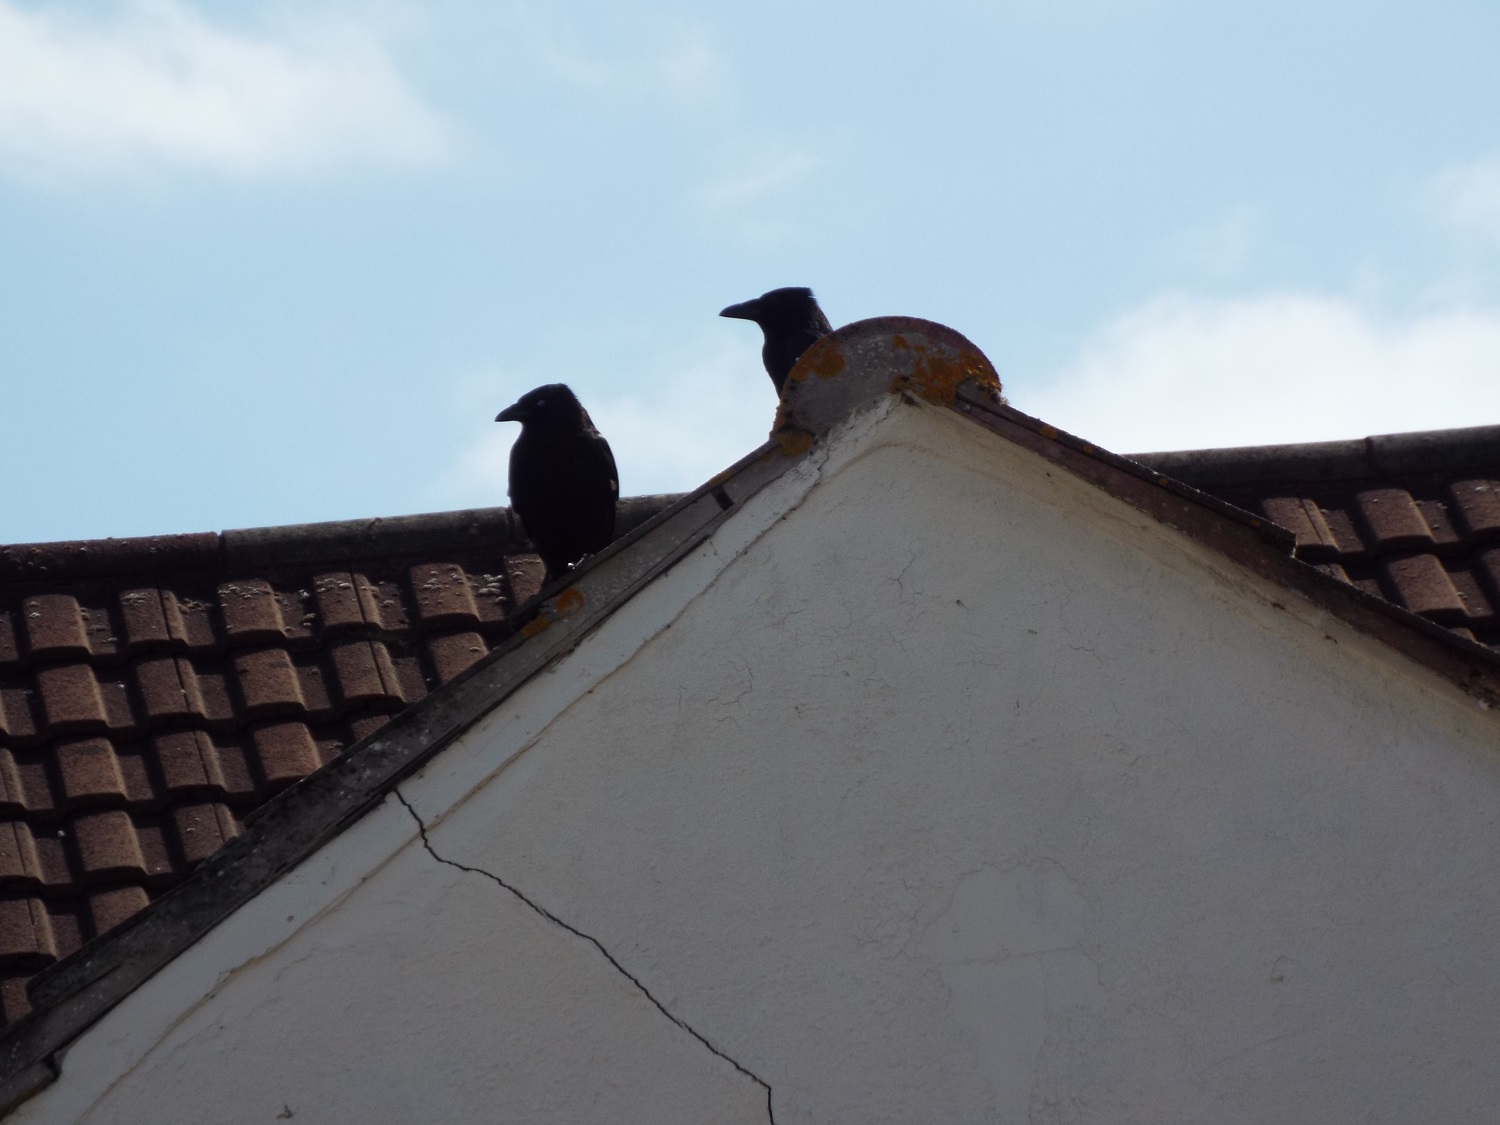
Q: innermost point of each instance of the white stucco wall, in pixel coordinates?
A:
(964, 792)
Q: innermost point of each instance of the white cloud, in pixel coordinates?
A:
(1467, 198)
(754, 179)
(671, 435)
(1187, 372)
(684, 64)
(154, 86)
(694, 70)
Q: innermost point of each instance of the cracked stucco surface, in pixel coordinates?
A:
(431, 994)
(964, 793)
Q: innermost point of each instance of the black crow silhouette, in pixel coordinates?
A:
(791, 320)
(563, 483)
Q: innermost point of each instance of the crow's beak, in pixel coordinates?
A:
(511, 413)
(745, 310)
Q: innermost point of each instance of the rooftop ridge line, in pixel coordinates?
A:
(330, 541)
(1471, 448)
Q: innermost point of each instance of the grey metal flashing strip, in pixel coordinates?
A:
(1475, 450)
(257, 548)
(71, 995)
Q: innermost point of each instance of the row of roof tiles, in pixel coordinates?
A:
(251, 611)
(1381, 521)
(153, 692)
(251, 684)
(1411, 518)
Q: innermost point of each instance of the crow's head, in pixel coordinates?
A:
(791, 320)
(552, 406)
(781, 310)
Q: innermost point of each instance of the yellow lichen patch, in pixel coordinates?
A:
(937, 377)
(794, 443)
(721, 476)
(823, 359)
(780, 420)
(1050, 432)
(569, 601)
(898, 341)
(538, 624)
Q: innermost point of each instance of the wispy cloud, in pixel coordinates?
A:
(1185, 372)
(154, 86)
(684, 64)
(692, 68)
(751, 180)
(1467, 199)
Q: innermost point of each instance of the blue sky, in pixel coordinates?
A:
(270, 263)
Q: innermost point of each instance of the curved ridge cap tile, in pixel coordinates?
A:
(855, 365)
(80, 558)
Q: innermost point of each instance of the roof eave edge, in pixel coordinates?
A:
(1252, 541)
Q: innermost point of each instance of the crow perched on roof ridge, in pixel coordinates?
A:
(563, 482)
(791, 320)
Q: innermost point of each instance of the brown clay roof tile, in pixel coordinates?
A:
(155, 691)
(1408, 517)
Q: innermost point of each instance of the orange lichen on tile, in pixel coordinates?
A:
(936, 376)
(794, 442)
(823, 359)
(568, 602)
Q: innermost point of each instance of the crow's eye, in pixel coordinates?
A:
(541, 402)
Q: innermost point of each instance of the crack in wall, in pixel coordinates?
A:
(597, 944)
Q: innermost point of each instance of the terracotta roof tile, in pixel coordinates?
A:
(90, 772)
(203, 829)
(453, 652)
(155, 691)
(339, 602)
(26, 936)
(108, 845)
(284, 752)
(16, 720)
(164, 684)
(10, 652)
(1340, 525)
(71, 699)
(1408, 517)
(1391, 520)
(1315, 539)
(12, 797)
(188, 764)
(268, 683)
(108, 908)
(145, 619)
(1422, 585)
(19, 864)
(443, 595)
(365, 673)
(252, 612)
(1477, 506)
(55, 627)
